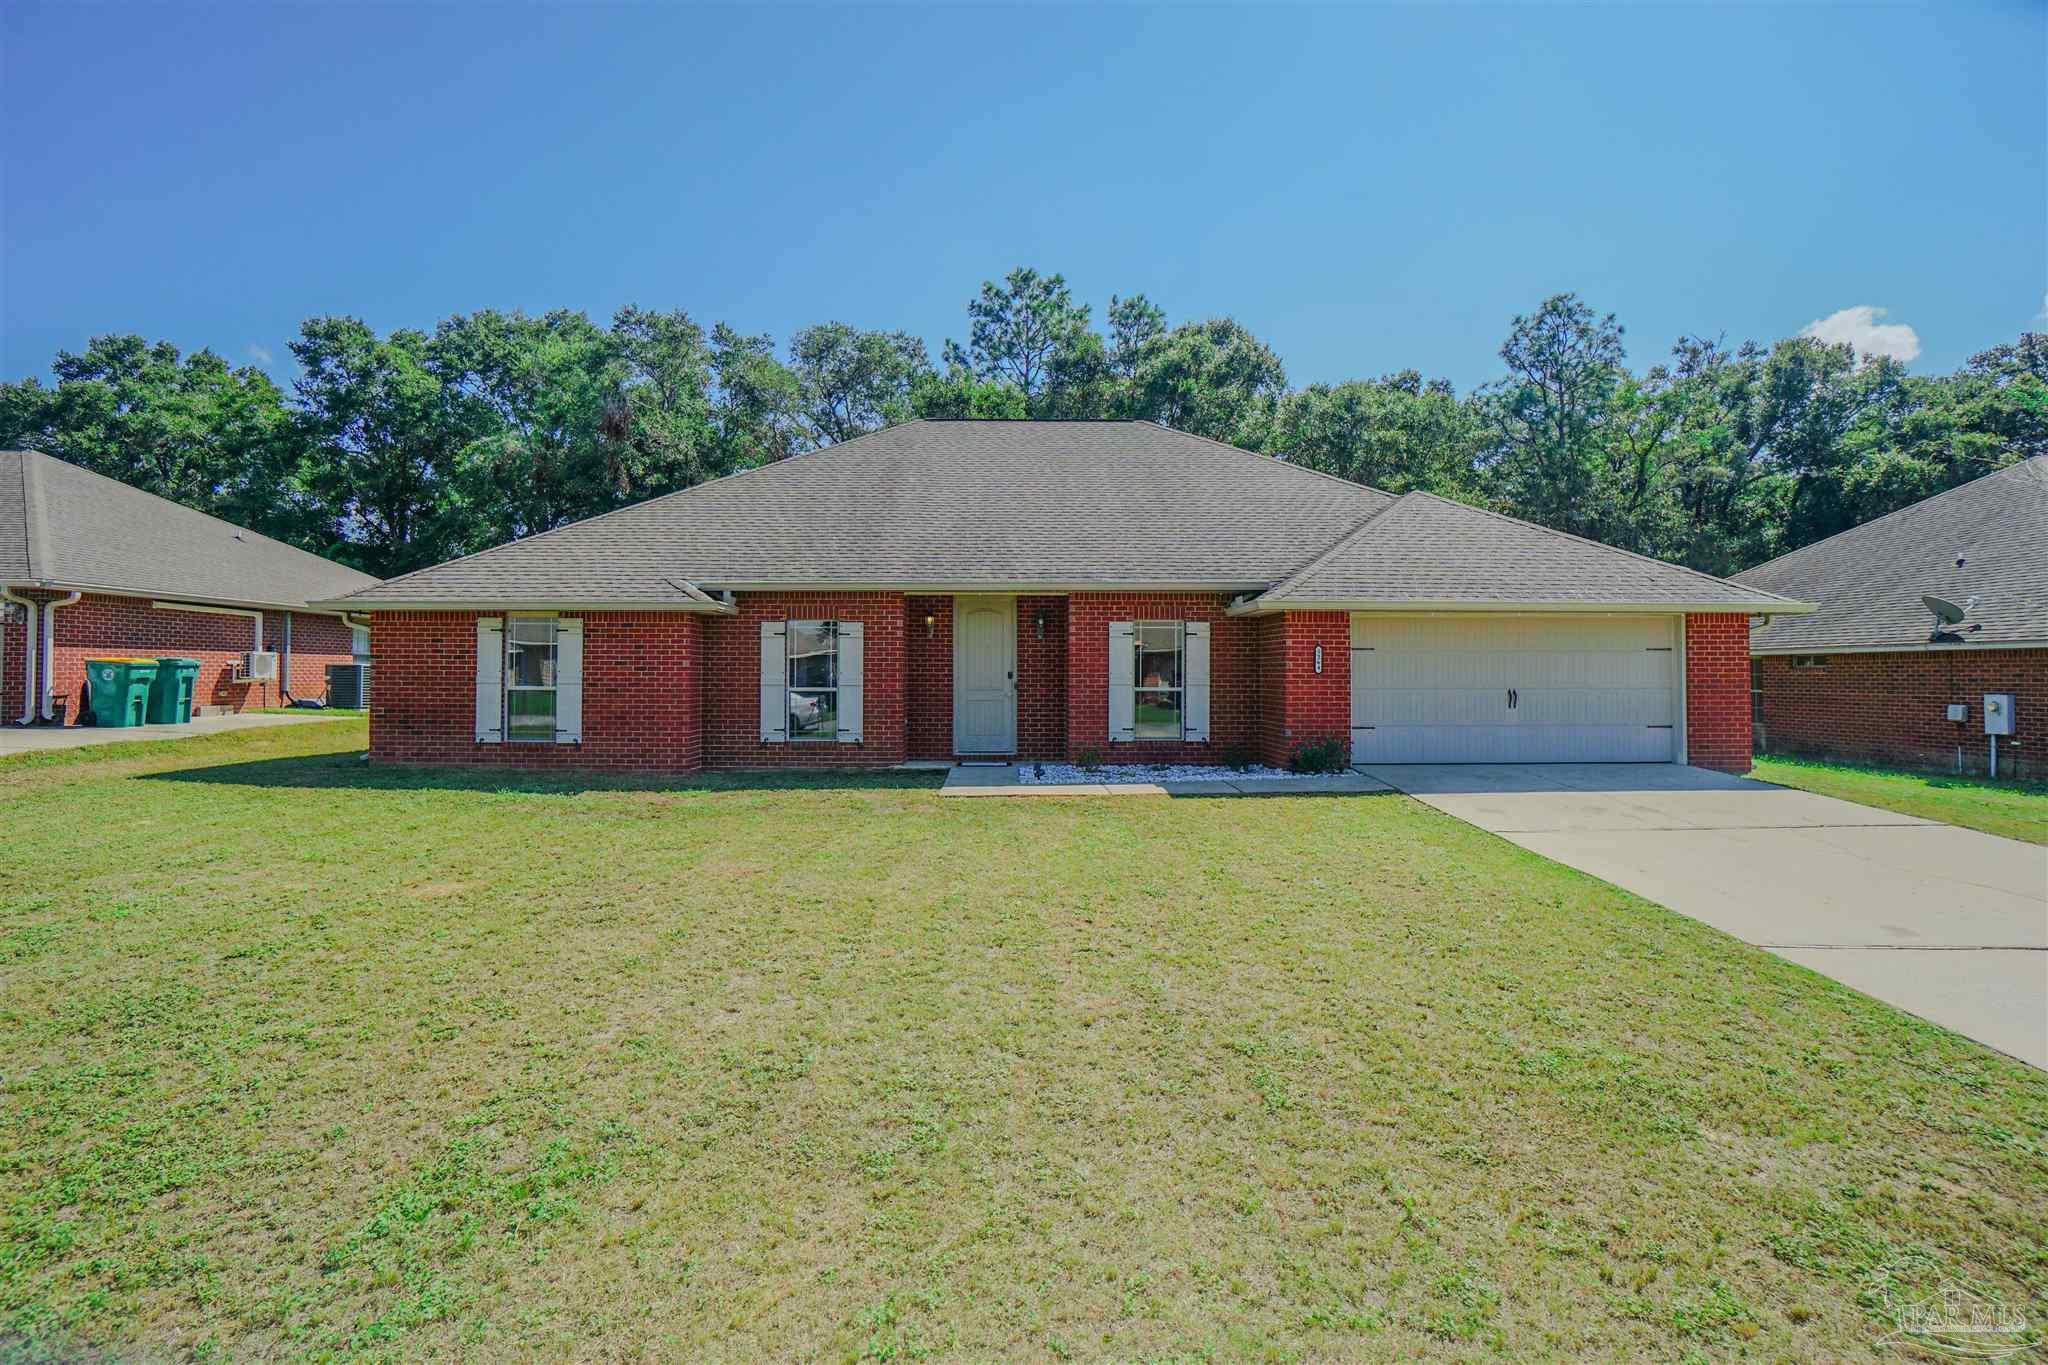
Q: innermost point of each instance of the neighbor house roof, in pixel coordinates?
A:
(1053, 506)
(66, 527)
(1427, 550)
(1869, 580)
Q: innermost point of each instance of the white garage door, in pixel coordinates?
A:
(1514, 689)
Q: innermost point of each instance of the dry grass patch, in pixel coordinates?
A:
(314, 1060)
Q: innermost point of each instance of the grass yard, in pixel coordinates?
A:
(2017, 810)
(308, 1059)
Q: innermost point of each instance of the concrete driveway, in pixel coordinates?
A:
(1946, 923)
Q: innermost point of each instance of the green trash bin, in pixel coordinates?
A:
(170, 696)
(120, 690)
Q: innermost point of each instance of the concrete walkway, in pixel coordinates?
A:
(1946, 923)
(35, 739)
(1008, 781)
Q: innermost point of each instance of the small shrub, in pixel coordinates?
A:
(1325, 755)
(1090, 758)
(1239, 757)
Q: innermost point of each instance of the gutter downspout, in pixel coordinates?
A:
(28, 654)
(49, 641)
(284, 664)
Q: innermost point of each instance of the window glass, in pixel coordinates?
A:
(359, 641)
(530, 713)
(1156, 705)
(813, 653)
(1158, 654)
(530, 678)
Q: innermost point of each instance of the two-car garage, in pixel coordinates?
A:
(1545, 687)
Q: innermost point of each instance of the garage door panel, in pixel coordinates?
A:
(1585, 689)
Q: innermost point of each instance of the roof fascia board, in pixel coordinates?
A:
(120, 590)
(1921, 647)
(341, 606)
(1264, 606)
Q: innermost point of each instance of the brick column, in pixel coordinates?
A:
(1717, 691)
(1296, 703)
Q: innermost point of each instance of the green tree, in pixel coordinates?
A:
(853, 382)
(1396, 433)
(383, 446)
(1134, 324)
(1564, 366)
(1028, 332)
(958, 394)
(190, 428)
(1211, 378)
(758, 401)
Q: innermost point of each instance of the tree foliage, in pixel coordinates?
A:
(396, 451)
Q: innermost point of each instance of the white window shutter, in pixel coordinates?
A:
(852, 660)
(568, 681)
(1123, 677)
(490, 680)
(774, 682)
(1195, 681)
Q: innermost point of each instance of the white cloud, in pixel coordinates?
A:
(1859, 326)
(260, 353)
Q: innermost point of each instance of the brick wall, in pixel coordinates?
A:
(1041, 679)
(642, 699)
(99, 624)
(1892, 708)
(1717, 691)
(928, 667)
(1233, 682)
(732, 681)
(1296, 703)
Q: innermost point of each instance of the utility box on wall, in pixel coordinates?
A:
(1998, 713)
(1959, 710)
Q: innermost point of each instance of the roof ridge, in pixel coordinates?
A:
(2016, 466)
(637, 506)
(35, 542)
(1343, 542)
(1601, 544)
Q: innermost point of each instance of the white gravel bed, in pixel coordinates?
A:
(1034, 774)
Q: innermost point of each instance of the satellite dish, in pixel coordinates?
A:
(1945, 611)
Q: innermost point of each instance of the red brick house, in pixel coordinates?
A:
(90, 566)
(1044, 590)
(1869, 677)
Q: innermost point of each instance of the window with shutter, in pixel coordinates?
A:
(774, 682)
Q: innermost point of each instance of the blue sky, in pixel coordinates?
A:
(1366, 189)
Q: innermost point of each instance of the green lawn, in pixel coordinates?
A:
(309, 1059)
(2017, 810)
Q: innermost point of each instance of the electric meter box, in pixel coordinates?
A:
(1998, 713)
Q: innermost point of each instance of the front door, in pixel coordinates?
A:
(984, 675)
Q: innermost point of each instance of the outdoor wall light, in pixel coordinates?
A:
(929, 623)
(1038, 624)
(1319, 658)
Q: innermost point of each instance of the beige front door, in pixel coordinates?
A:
(984, 675)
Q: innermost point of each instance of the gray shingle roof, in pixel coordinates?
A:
(64, 526)
(1429, 549)
(938, 504)
(1869, 580)
(1012, 505)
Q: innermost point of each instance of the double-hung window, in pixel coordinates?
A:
(1160, 678)
(530, 691)
(813, 670)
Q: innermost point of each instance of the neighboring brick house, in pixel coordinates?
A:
(1868, 677)
(1049, 590)
(90, 566)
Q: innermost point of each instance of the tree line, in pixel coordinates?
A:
(397, 451)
